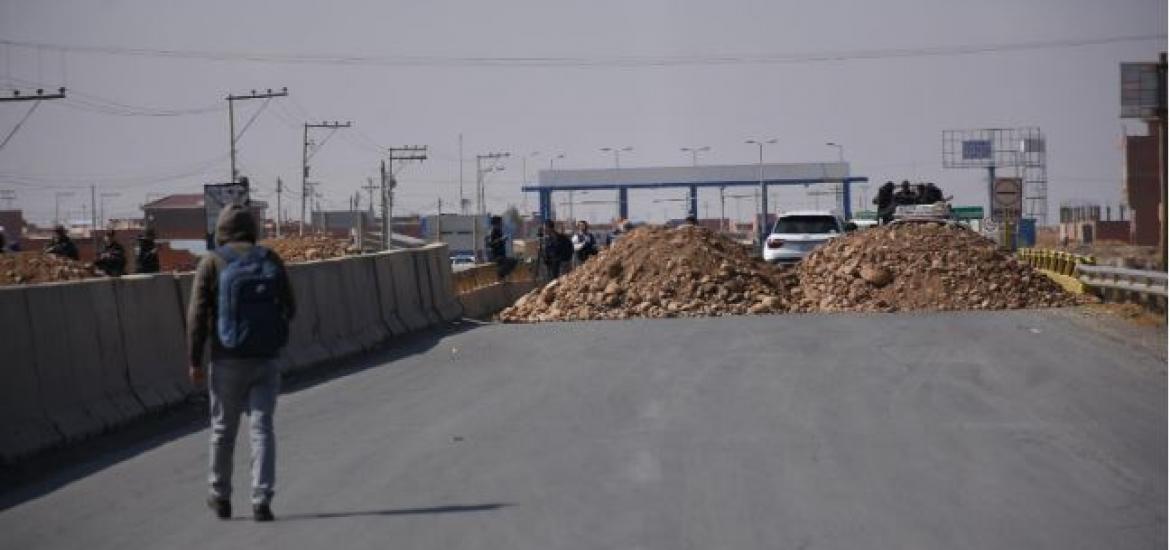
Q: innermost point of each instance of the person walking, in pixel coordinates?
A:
(146, 260)
(241, 303)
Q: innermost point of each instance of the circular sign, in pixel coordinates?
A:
(1007, 192)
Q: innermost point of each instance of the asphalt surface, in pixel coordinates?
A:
(950, 430)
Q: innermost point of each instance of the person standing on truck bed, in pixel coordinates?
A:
(241, 302)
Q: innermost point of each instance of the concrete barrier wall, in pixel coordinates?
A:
(406, 290)
(304, 347)
(442, 285)
(82, 357)
(486, 301)
(25, 427)
(154, 338)
(387, 295)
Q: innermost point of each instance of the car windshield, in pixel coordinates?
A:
(806, 224)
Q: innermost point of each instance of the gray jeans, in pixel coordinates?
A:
(236, 386)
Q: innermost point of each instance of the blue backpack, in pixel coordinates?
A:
(251, 321)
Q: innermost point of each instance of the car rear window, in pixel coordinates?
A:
(806, 224)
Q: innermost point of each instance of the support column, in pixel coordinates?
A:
(847, 199)
(623, 203)
(693, 202)
(545, 204)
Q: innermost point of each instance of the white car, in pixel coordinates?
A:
(798, 233)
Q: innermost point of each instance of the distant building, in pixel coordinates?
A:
(13, 223)
(1083, 224)
(182, 216)
(1143, 186)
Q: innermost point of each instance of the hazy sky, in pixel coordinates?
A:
(888, 112)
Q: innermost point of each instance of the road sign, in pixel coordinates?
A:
(968, 212)
(215, 197)
(1007, 198)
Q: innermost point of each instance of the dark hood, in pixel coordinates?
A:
(236, 223)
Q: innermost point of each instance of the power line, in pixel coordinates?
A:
(19, 124)
(585, 61)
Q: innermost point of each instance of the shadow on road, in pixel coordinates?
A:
(43, 473)
(451, 509)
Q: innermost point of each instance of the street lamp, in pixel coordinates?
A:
(694, 151)
(840, 150)
(551, 159)
(617, 163)
(761, 230)
(524, 166)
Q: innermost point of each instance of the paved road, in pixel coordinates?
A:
(1004, 430)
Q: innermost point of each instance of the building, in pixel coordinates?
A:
(1082, 224)
(1143, 187)
(183, 217)
(13, 223)
(461, 232)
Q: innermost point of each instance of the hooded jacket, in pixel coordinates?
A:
(236, 228)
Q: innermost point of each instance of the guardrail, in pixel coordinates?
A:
(1059, 266)
(485, 275)
(1138, 281)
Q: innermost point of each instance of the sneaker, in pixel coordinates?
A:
(262, 512)
(221, 506)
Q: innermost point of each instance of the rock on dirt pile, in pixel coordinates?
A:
(37, 267)
(309, 248)
(656, 272)
(919, 267)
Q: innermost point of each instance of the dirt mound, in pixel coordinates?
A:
(656, 272)
(309, 248)
(919, 267)
(37, 267)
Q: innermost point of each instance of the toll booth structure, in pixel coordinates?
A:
(622, 180)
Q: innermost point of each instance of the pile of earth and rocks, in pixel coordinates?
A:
(17, 268)
(656, 272)
(691, 272)
(922, 266)
(310, 247)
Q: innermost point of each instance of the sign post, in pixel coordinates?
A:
(218, 195)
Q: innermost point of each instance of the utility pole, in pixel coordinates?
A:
(439, 222)
(101, 218)
(462, 209)
(480, 198)
(279, 190)
(232, 137)
(57, 205)
(305, 162)
(404, 153)
(39, 95)
(370, 188)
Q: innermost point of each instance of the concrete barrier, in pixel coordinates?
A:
(333, 319)
(425, 280)
(406, 289)
(486, 301)
(387, 295)
(79, 357)
(25, 428)
(442, 284)
(363, 305)
(152, 315)
(304, 347)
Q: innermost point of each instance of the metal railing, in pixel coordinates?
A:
(1138, 281)
(485, 275)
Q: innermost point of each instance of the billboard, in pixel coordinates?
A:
(1141, 90)
(977, 149)
(215, 197)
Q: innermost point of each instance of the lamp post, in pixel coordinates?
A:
(623, 205)
(841, 159)
(694, 151)
(761, 230)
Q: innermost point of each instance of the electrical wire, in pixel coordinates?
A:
(584, 61)
(16, 128)
(253, 119)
